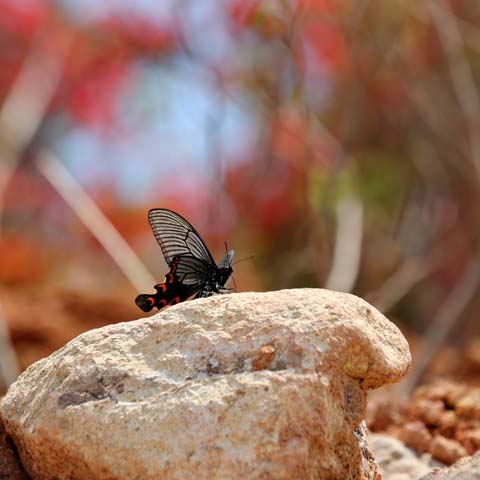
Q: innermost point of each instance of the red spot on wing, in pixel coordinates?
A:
(169, 278)
(162, 303)
(173, 266)
(174, 301)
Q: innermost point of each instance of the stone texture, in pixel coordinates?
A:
(10, 466)
(396, 461)
(417, 436)
(252, 385)
(447, 450)
(466, 469)
(440, 418)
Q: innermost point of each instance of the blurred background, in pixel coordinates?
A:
(338, 142)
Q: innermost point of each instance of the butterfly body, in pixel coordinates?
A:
(192, 268)
(216, 278)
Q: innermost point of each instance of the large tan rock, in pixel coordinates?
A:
(10, 466)
(242, 386)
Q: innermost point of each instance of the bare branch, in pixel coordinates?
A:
(94, 219)
(470, 32)
(348, 245)
(9, 368)
(469, 101)
(24, 108)
(444, 321)
(410, 272)
(460, 73)
(20, 117)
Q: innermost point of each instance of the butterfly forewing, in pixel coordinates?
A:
(176, 236)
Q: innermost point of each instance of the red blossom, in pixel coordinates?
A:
(94, 99)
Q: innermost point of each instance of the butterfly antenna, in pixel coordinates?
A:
(244, 259)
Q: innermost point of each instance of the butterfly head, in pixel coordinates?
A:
(227, 260)
(225, 268)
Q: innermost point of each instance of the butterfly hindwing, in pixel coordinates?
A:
(170, 292)
(174, 292)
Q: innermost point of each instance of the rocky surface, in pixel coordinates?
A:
(252, 385)
(441, 418)
(10, 465)
(466, 469)
(396, 461)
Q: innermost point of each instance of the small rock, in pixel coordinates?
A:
(396, 461)
(252, 385)
(454, 394)
(465, 469)
(416, 435)
(469, 438)
(264, 358)
(469, 404)
(447, 450)
(440, 390)
(428, 411)
(446, 410)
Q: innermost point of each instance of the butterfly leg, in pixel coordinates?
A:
(206, 292)
(226, 289)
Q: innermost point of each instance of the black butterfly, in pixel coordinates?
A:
(192, 268)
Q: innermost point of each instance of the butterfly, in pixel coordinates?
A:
(193, 270)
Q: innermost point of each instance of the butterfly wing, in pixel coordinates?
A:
(192, 268)
(173, 290)
(192, 271)
(167, 293)
(177, 237)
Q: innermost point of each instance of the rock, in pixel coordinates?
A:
(396, 461)
(440, 418)
(469, 438)
(368, 460)
(416, 435)
(447, 450)
(469, 404)
(251, 385)
(466, 469)
(428, 411)
(10, 466)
